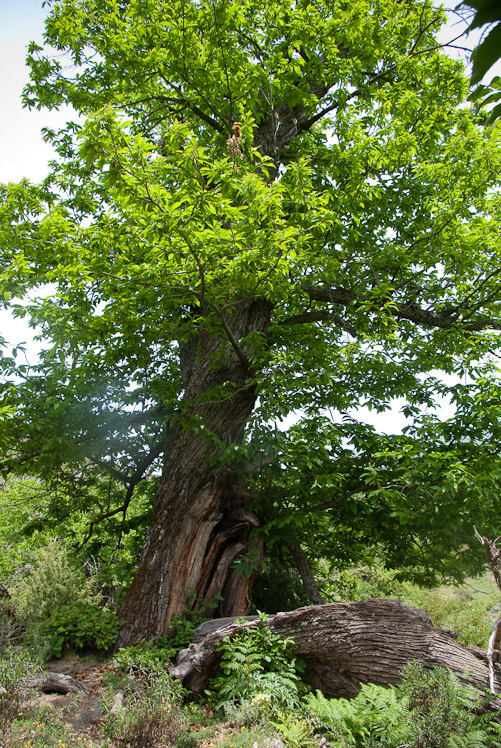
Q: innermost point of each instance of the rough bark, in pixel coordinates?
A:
(304, 568)
(347, 644)
(57, 683)
(199, 524)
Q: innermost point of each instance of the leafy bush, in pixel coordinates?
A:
(144, 657)
(52, 581)
(375, 580)
(429, 710)
(77, 627)
(60, 605)
(255, 662)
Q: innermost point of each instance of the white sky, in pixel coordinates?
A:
(23, 152)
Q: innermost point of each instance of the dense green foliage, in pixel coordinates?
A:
(60, 607)
(429, 710)
(257, 666)
(362, 214)
(486, 54)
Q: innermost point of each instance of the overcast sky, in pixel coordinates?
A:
(23, 152)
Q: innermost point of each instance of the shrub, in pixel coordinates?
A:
(440, 707)
(60, 605)
(77, 627)
(431, 709)
(145, 657)
(255, 662)
(53, 581)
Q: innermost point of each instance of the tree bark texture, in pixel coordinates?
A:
(347, 644)
(199, 524)
(303, 566)
(57, 683)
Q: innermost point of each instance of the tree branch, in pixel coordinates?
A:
(448, 318)
(304, 568)
(319, 316)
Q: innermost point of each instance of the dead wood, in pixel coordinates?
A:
(347, 644)
(57, 683)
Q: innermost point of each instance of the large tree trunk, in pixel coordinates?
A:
(347, 644)
(199, 524)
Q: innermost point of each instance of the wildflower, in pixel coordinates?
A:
(260, 699)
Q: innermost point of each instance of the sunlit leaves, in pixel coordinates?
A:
(154, 228)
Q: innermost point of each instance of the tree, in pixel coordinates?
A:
(265, 212)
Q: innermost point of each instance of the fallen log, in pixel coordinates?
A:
(347, 644)
(57, 683)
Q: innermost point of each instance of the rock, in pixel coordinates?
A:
(118, 702)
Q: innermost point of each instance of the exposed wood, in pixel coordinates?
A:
(493, 653)
(57, 683)
(493, 554)
(347, 644)
(494, 564)
(199, 524)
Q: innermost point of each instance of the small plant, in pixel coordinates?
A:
(181, 630)
(16, 668)
(296, 732)
(145, 657)
(255, 663)
(152, 716)
(376, 716)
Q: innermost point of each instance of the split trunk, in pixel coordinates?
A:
(200, 524)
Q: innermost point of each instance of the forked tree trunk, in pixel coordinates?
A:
(347, 644)
(199, 524)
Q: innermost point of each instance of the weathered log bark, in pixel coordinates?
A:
(347, 644)
(199, 524)
(57, 683)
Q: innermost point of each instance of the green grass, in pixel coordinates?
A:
(470, 608)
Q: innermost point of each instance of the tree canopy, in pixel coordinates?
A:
(267, 213)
